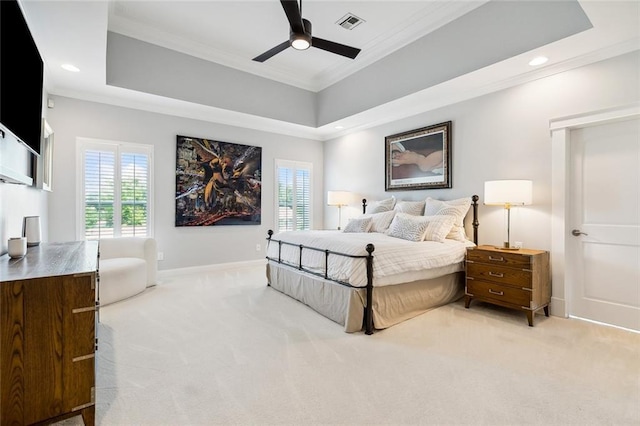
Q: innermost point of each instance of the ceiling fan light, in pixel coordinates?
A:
(301, 42)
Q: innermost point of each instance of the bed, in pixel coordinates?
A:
(370, 280)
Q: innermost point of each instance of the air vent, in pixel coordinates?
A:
(349, 21)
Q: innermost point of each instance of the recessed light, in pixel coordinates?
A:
(538, 61)
(70, 67)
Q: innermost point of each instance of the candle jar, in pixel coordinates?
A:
(17, 247)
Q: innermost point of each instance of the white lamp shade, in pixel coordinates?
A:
(338, 198)
(512, 192)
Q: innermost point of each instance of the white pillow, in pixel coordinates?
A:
(457, 208)
(415, 208)
(362, 224)
(439, 227)
(380, 221)
(381, 206)
(409, 227)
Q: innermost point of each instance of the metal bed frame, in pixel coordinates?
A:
(368, 310)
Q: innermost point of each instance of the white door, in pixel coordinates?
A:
(604, 245)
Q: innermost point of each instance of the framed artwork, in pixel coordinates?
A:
(217, 183)
(419, 159)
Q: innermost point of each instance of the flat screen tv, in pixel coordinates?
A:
(21, 78)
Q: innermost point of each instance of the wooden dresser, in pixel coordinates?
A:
(518, 279)
(48, 333)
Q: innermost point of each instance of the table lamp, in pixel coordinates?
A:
(508, 193)
(338, 198)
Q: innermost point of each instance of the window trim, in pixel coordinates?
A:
(295, 165)
(84, 144)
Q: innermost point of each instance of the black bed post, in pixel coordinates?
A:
(364, 205)
(368, 310)
(475, 222)
(269, 235)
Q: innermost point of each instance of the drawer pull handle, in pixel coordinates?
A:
(81, 310)
(497, 259)
(83, 357)
(496, 274)
(498, 293)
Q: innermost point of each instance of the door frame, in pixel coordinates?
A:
(560, 129)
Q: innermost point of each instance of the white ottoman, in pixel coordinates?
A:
(126, 267)
(121, 278)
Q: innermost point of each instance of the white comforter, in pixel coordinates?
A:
(395, 260)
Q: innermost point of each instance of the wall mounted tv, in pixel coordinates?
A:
(21, 78)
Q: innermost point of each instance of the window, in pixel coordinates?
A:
(114, 189)
(293, 203)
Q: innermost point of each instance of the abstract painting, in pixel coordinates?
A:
(217, 183)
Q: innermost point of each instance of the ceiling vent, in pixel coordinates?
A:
(349, 21)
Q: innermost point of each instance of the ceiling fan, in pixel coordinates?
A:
(300, 37)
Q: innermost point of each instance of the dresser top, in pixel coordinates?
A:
(51, 259)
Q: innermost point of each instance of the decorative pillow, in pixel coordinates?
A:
(457, 208)
(358, 225)
(380, 221)
(408, 227)
(439, 227)
(411, 207)
(381, 206)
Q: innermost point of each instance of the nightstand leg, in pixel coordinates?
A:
(546, 311)
(530, 317)
(467, 301)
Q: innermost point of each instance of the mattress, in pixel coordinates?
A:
(395, 261)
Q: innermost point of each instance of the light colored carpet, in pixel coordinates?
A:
(223, 348)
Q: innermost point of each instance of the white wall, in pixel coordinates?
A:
(182, 246)
(16, 202)
(503, 135)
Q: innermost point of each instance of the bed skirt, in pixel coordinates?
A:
(345, 305)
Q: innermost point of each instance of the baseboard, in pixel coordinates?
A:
(558, 307)
(167, 273)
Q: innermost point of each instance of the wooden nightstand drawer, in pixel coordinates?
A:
(517, 277)
(505, 294)
(511, 260)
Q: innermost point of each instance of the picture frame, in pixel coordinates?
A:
(217, 183)
(419, 159)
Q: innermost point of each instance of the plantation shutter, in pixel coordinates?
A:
(99, 179)
(303, 199)
(133, 194)
(115, 190)
(285, 199)
(293, 180)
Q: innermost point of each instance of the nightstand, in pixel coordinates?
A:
(518, 279)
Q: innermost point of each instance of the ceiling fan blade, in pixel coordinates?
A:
(269, 53)
(294, 16)
(333, 47)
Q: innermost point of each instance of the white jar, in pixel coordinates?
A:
(17, 247)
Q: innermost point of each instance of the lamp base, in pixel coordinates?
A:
(507, 246)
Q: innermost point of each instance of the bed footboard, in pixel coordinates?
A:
(368, 258)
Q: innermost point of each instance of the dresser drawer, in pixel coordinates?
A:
(517, 277)
(511, 260)
(502, 293)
